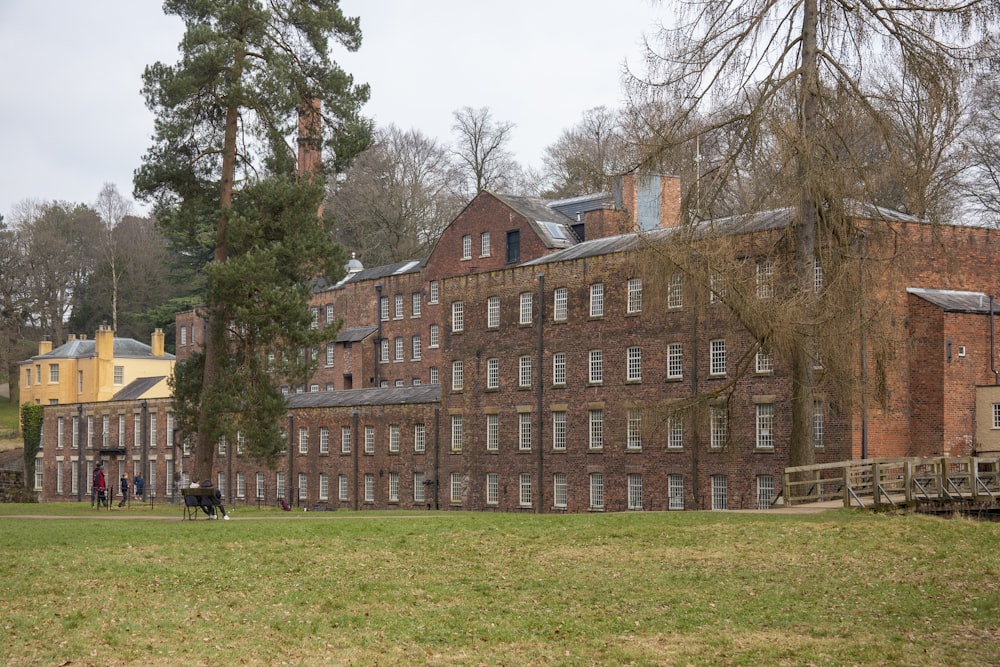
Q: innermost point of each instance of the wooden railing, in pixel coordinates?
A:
(903, 481)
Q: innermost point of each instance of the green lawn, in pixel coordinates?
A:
(452, 588)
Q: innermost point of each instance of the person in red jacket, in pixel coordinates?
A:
(100, 485)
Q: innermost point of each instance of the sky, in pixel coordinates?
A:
(72, 116)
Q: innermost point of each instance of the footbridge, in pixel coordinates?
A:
(939, 484)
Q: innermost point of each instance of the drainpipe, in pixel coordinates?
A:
(540, 389)
(291, 456)
(436, 482)
(993, 361)
(378, 337)
(355, 445)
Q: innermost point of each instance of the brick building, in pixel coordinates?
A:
(531, 361)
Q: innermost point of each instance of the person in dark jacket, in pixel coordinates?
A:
(123, 486)
(210, 503)
(138, 486)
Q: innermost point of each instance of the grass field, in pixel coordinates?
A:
(9, 436)
(138, 586)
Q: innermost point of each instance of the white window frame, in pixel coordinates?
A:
(524, 431)
(369, 439)
(492, 432)
(343, 488)
(526, 311)
(633, 429)
(559, 490)
(457, 435)
(345, 439)
(595, 367)
(369, 487)
(467, 246)
(763, 362)
(675, 292)
(675, 361)
(718, 426)
(764, 276)
(418, 487)
(765, 491)
(559, 430)
(597, 300)
(524, 490)
(765, 426)
(397, 312)
(634, 300)
(416, 348)
(675, 491)
(493, 312)
(324, 439)
(393, 490)
(415, 305)
(717, 357)
(398, 349)
(634, 483)
(559, 369)
(394, 438)
(455, 486)
(633, 364)
(457, 317)
(492, 488)
(484, 244)
(435, 333)
(433, 291)
(383, 308)
(493, 373)
(595, 420)
(596, 480)
(524, 371)
(720, 492)
(675, 432)
(819, 423)
(419, 438)
(560, 301)
(457, 375)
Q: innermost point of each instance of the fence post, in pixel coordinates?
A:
(847, 485)
(876, 483)
(908, 480)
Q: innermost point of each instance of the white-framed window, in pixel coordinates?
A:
(384, 350)
(259, 485)
(765, 491)
(634, 301)
(484, 244)
(456, 433)
(331, 351)
(720, 496)
(279, 485)
(524, 431)
(524, 371)
(819, 425)
(559, 369)
(59, 478)
(369, 439)
(90, 431)
(597, 300)
(418, 487)
(435, 340)
(633, 429)
(457, 316)
(314, 323)
(342, 488)
(456, 487)
(434, 375)
(559, 494)
(634, 481)
(369, 487)
(416, 348)
(675, 491)
(119, 375)
(493, 312)
(467, 246)
(560, 300)
(393, 487)
(419, 437)
(324, 440)
(675, 361)
(492, 432)
(596, 367)
(717, 357)
(184, 337)
(457, 375)
(398, 307)
(765, 426)
(53, 373)
(526, 310)
(383, 308)
(817, 276)
(633, 365)
(524, 490)
(345, 439)
(675, 292)
(106, 430)
(303, 440)
(492, 488)
(394, 437)
(492, 373)
(559, 430)
(717, 287)
(329, 314)
(763, 362)
(675, 432)
(398, 348)
(415, 305)
(596, 490)
(324, 486)
(718, 426)
(433, 291)
(596, 421)
(303, 486)
(60, 432)
(765, 279)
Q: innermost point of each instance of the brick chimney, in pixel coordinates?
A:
(652, 200)
(44, 346)
(156, 343)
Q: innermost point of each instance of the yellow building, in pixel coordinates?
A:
(90, 371)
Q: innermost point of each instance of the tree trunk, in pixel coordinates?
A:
(802, 451)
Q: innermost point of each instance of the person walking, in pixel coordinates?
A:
(123, 483)
(138, 486)
(100, 485)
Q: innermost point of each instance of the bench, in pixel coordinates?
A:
(194, 499)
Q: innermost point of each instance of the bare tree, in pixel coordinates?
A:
(586, 157)
(112, 209)
(397, 197)
(982, 182)
(774, 75)
(482, 149)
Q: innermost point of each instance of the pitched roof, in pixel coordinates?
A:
(136, 388)
(84, 349)
(553, 227)
(426, 393)
(354, 334)
(956, 301)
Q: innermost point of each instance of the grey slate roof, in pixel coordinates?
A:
(136, 388)
(354, 334)
(955, 301)
(553, 227)
(83, 349)
(426, 393)
(577, 206)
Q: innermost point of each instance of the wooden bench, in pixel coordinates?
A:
(194, 499)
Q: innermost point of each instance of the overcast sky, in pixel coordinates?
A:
(72, 117)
